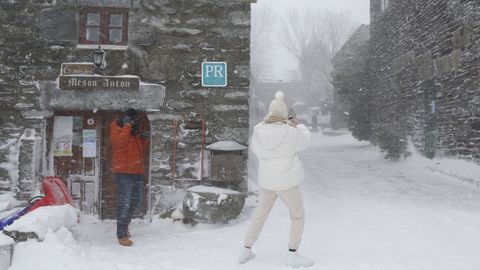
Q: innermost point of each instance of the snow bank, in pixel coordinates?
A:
(46, 218)
(59, 250)
(463, 170)
(5, 240)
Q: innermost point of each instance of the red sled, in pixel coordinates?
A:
(56, 193)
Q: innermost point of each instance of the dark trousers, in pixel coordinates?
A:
(130, 190)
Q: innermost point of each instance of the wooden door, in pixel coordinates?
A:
(74, 151)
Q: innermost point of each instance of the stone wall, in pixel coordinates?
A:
(424, 74)
(23, 62)
(168, 41)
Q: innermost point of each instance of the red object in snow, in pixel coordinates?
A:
(56, 193)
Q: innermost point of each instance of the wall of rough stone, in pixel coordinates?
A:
(23, 62)
(430, 42)
(168, 41)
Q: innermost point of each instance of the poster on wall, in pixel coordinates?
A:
(89, 143)
(62, 136)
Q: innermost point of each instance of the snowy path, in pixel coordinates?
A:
(363, 212)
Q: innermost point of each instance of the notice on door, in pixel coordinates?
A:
(89, 143)
(62, 136)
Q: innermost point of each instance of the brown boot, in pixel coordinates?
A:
(124, 241)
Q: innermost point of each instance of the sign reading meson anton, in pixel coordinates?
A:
(99, 83)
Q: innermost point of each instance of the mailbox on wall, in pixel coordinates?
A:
(226, 159)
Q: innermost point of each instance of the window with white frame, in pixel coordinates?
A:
(104, 26)
(385, 4)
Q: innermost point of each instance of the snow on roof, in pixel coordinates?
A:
(217, 190)
(148, 83)
(226, 146)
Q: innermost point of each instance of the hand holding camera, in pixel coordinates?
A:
(292, 121)
(124, 120)
(127, 120)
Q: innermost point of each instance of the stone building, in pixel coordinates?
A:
(55, 112)
(424, 76)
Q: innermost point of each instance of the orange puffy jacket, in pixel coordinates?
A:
(127, 150)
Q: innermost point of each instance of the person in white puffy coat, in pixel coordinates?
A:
(276, 142)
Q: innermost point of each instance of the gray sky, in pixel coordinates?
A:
(359, 9)
(280, 60)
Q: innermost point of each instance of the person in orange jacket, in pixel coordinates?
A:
(128, 149)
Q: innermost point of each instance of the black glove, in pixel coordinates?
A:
(135, 128)
(145, 135)
(124, 120)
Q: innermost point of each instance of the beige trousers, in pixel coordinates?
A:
(294, 201)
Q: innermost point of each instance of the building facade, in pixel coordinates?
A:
(56, 107)
(424, 76)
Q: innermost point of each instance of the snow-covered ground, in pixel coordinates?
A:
(363, 212)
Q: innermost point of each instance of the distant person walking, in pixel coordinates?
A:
(128, 147)
(314, 123)
(276, 142)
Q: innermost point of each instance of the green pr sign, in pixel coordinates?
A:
(214, 74)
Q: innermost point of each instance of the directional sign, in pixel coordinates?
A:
(214, 74)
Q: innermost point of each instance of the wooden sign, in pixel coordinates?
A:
(78, 69)
(99, 83)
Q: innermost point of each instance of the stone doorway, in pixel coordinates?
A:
(80, 153)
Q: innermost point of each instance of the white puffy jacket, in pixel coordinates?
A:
(277, 146)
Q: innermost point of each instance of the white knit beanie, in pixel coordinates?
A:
(278, 107)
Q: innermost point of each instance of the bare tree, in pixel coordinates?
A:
(298, 32)
(313, 37)
(333, 30)
(263, 25)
